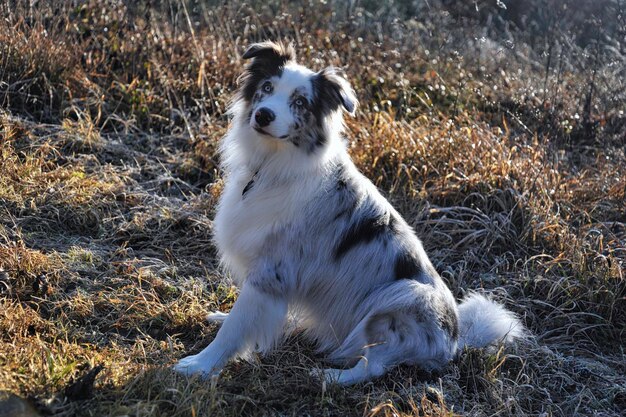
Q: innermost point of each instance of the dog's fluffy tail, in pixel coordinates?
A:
(483, 322)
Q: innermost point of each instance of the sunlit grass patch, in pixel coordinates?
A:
(82, 134)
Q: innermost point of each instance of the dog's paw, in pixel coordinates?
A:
(216, 317)
(193, 365)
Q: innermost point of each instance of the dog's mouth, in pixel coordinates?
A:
(263, 132)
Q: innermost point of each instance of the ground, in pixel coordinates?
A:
(499, 133)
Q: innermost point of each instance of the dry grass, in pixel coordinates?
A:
(502, 146)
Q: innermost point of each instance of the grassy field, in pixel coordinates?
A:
(499, 133)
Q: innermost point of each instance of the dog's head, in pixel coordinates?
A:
(287, 102)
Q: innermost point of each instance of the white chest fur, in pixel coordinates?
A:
(245, 221)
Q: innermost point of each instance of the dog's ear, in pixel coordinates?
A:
(333, 89)
(275, 52)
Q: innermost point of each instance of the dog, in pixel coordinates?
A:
(305, 235)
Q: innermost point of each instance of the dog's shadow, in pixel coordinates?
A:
(280, 383)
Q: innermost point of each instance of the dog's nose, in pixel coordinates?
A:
(264, 116)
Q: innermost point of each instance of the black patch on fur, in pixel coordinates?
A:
(347, 200)
(249, 185)
(256, 74)
(407, 266)
(362, 232)
(327, 97)
(269, 60)
(393, 223)
(278, 277)
(340, 174)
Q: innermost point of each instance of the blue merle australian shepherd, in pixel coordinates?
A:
(305, 235)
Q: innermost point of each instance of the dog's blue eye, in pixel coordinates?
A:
(267, 87)
(299, 102)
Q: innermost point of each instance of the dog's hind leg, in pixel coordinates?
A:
(413, 328)
(387, 343)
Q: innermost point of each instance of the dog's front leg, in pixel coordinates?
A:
(255, 322)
